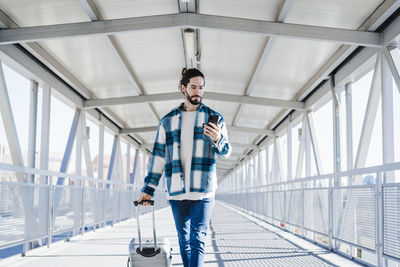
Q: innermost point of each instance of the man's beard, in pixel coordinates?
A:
(192, 101)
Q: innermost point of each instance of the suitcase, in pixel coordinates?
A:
(149, 251)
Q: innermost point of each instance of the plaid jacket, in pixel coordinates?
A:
(166, 154)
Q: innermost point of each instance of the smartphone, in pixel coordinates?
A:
(213, 119)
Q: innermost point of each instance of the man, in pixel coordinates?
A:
(185, 149)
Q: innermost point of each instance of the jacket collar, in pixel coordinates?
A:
(180, 107)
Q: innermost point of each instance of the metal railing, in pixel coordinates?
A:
(31, 212)
(333, 209)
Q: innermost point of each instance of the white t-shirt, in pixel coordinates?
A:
(187, 133)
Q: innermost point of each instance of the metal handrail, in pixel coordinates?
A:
(25, 170)
(374, 169)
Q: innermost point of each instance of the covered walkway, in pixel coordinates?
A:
(309, 91)
(234, 239)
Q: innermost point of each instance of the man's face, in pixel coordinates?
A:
(194, 90)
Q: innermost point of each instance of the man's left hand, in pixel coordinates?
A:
(213, 131)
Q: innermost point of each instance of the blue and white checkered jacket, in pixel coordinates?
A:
(166, 154)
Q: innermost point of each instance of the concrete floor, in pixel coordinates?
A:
(234, 239)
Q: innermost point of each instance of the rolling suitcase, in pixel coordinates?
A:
(150, 251)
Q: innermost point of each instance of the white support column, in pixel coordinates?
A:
(349, 137)
(234, 181)
(240, 178)
(289, 151)
(307, 145)
(128, 163)
(32, 128)
(237, 177)
(349, 126)
(244, 176)
(387, 119)
(100, 164)
(336, 160)
(120, 165)
(31, 159)
(254, 170)
(369, 118)
(250, 169)
(280, 161)
(44, 158)
(45, 132)
(267, 167)
(134, 169)
(245, 181)
(121, 177)
(78, 171)
(86, 148)
(336, 127)
(261, 168)
(302, 146)
(313, 137)
(276, 164)
(78, 147)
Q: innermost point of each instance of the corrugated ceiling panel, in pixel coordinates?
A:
(251, 9)
(337, 14)
(43, 12)
(112, 9)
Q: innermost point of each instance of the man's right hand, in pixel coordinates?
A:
(144, 196)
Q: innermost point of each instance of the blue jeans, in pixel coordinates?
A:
(191, 220)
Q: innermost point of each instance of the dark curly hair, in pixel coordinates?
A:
(187, 74)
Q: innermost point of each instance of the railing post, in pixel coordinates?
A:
(83, 208)
(378, 220)
(330, 212)
(119, 201)
(50, 214)
(285, 205)
(104, 204)
(303, 209)
(272, 205)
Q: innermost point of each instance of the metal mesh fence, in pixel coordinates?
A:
(391, 221)
(21, 212)
(28, 212)
(354, 215)
(316, 210)
(294, 207)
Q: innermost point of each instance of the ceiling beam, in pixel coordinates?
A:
(230, 128)
(255, 100)
(201, 21)
(95, 103)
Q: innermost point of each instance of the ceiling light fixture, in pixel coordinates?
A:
(189, 36)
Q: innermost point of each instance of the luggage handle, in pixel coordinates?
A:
(151, 202)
